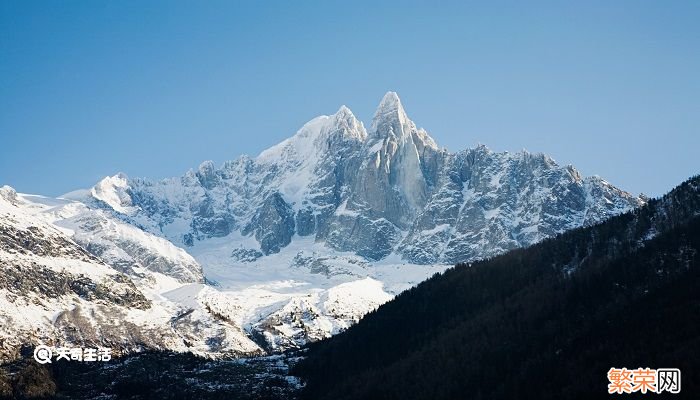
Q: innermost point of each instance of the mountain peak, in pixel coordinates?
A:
(348, 124)
(390, 104)
(8, 193)
(113, 191)
(390, 114)
(344, 111)
(390, 100)
(391, 119)
(344, 115)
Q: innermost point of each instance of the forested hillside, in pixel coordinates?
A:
(547, 321)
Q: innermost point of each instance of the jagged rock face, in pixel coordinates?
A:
(22, 249)
(400, 166)
(372, 238)
(374, 193)
(273, 224)
(487, 203)
(20, 279)
(207, 175)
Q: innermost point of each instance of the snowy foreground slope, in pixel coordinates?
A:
(53, 289)
(267, 253)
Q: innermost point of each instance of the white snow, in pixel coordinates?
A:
(112, 190)
(307, 290)
(250, 296)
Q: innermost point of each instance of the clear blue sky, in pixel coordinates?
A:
(91, 88)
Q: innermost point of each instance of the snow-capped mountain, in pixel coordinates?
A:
(293, 245)
(387, 191)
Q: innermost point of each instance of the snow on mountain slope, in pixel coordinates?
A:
(301, 241)
(303, 293)
(299, 158)
(486, 203)
(113, 299)
(320, 314)
(54, 291)
(389, 190)
(120, 244)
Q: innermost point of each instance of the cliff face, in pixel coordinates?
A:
(389, 190)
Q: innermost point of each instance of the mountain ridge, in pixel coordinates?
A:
(297, 244)
(368, 191)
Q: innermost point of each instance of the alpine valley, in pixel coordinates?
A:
(265, 254)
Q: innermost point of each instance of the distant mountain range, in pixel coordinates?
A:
(389, 190)
(268, 253)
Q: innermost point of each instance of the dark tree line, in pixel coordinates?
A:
(150, 375)
(544, 322)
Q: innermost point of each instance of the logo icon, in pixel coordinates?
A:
(43, 354)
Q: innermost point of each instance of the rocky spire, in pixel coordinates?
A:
(390, 117)
(345, 121)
